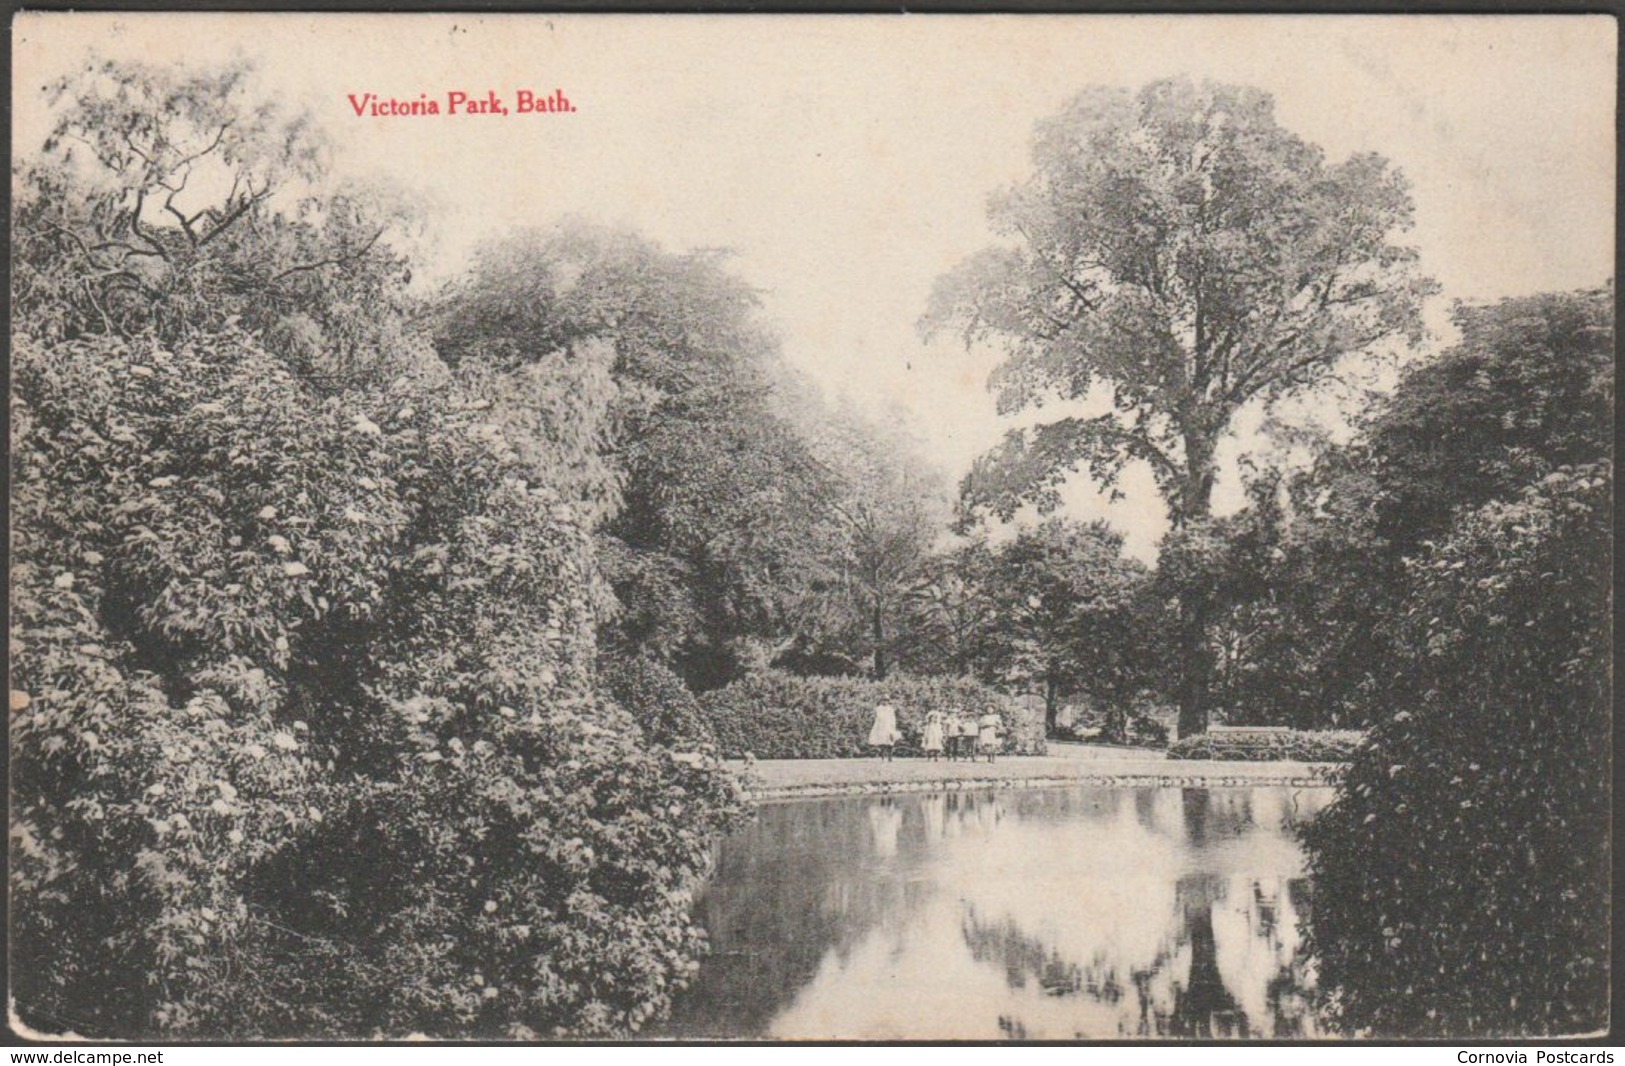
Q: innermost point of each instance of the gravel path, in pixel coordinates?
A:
(787, 778)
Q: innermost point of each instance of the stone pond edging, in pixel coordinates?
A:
(1298, 775)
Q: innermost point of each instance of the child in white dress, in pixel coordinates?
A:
(931, 741)
(883, 734)
(990, 725)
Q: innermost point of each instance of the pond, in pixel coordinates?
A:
(1070, 913)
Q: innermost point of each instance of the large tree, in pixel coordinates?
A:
(953, 621)
(715, 488)
(884, 507)
(1175, 256)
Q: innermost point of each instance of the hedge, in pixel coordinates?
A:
(1330, 745)
(775, 715)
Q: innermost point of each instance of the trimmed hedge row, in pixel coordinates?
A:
(1330, 745)
(775, 715)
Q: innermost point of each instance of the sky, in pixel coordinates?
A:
(847, 160)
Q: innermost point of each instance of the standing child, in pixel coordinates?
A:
(883, 734)
(931, 742)
(990, 724)
(966, 741)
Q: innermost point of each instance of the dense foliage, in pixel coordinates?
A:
(1527, 390)
(1305, 578)
(170, 201)
(884, 511)
(657, 700)
(1059, 611)
(1297, 745)
(1461, 875)
(306, 736)
(356, 638)
(776, 715)
(744, 534)
(307, 688)
(1075, 617)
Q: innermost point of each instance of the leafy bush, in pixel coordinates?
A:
(304, 732)
(1136, 722)
(1328, 745)
(775, 715)
(1461, 876)
(657, 699)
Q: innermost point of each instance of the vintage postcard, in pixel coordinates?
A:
(852, 527)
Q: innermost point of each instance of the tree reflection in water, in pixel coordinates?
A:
(1055, 914)
(1201, 1007)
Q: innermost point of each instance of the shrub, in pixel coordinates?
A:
(657, 699)
(1147, 731)
(1143, 723)
(1330, 745)
(304, 733)
(775, 715)
(1461, 875)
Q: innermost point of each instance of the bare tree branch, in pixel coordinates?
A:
(248, 202)
(339, 260)
(186, 225)
(135, 226)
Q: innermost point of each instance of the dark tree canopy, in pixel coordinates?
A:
(1464, 541)
(753, 524)
(713, 486)
(1307, 574)
(1298, 595)
(1074, 616)
(952, 620)
(1461, 876)
(883, 511)
(1529, 388)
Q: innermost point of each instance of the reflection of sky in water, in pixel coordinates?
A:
(1047, 915)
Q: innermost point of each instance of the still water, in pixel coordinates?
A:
(1059, 914)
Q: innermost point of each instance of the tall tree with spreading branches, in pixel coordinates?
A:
(1175, 256)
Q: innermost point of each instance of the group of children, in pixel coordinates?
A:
(957, 737)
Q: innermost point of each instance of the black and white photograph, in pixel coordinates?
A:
(671, 529)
